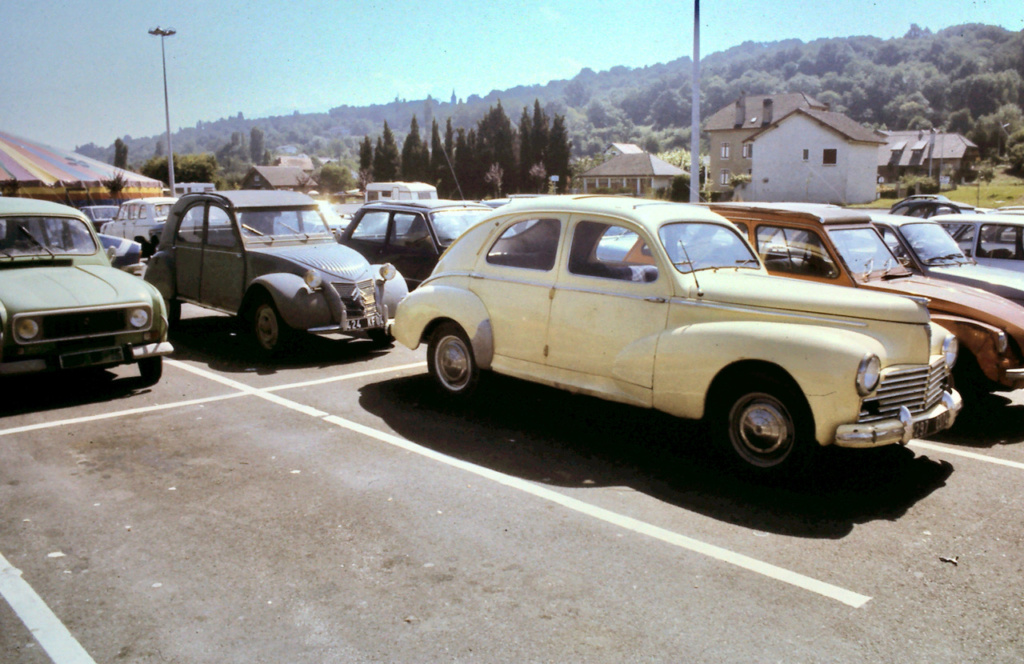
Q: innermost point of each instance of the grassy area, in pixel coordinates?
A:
(1005, 189)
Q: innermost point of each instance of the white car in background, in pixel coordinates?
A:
(141, 220)
(995, 239)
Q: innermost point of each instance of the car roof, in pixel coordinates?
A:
(155, 200)
(904, 220)
(253, 198)
(823, 214)
(429, 204)
(990, 218)
(13, 205)
(644, 211)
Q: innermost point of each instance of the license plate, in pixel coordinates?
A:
(362, 323)
(925, 428)
(92, 357)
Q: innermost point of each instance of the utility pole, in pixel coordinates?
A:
(695, 112)
(162, 34)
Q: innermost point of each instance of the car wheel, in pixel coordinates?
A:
(173, 311)
(451, 363)
(272, 334)
(767, 428)
(151, 369)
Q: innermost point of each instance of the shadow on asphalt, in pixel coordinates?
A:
(552, 437)
(219, 342)
(990, 422)
(225, 344)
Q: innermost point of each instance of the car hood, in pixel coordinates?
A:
(1005, 283)
(329, 257)
(959, 300)
(46, 288)
(770, 292)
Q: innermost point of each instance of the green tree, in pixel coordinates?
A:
(495, 143)
(559, 150)
(415, 165)
(1015, 151)
(120, 154)
(116, 183)
(334, 177)
(386, 160)
(257, 145)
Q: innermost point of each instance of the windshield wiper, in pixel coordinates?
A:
(947, 257)
(747, 261)
(252, 230)
(36, 242)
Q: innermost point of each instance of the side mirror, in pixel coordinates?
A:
(111, 253)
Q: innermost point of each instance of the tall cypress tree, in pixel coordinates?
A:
(559, 150)
(415, 160)
(386, 160)
(437, 162)
(495, 144)
(525, 151)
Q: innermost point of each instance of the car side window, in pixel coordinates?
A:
(133, 212)
(372, 226)
(410, 230)
(794, 251)
(219, 231)
(190, 230)
(530, 244)
(893, 242)
(610, 252)
(1000, 241)
(143, 212)
(963, 234)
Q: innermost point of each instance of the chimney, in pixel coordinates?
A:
(766, 111)
(741, 111)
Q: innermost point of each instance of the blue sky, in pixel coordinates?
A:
(88, 71)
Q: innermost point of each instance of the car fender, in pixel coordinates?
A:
(821, 362)
(431, 304)
(300, 306)
(979, 339)
(394, 291)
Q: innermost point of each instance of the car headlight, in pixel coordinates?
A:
(950, 347)
(26, 329)
(138, 318)
(868, 374)
(1002, 343)
(313, 279)
(387, 271)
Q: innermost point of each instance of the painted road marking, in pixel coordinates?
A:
(45, 627)
(828, 590)
(966, 454)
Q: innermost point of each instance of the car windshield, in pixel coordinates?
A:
(45, 236)
(268, 224)
(933, 245)
(693, 246)
(450, 224)
(161, 211)
(864, 252)
(100, 212)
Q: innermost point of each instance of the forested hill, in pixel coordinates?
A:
(969, 78)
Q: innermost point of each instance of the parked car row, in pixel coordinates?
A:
(655, 304)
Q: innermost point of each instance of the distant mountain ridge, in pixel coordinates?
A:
(964, 77)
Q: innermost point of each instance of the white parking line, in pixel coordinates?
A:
(45, 627)
(966, 454)
(828, 590)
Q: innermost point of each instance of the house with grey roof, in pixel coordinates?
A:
(925, 152)
(632, 172)
(278, 177)
(794, 149)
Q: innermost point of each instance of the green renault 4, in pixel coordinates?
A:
(62, 305)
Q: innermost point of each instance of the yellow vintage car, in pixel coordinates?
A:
(666, 306)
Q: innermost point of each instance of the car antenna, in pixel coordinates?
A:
(693, 271)
(454, 177)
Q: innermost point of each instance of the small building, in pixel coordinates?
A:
(925, 152)
(302, 162)
(278, 177)
(615, 149)
(794, 149)
(633, 173)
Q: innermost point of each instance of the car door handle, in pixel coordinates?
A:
(659, 300)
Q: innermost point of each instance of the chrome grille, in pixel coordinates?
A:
(917, 387)
(85, 323)
(360, 299)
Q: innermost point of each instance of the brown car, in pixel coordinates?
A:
(833, 245)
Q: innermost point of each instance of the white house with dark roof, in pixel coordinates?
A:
(632, 172)
(794, 149)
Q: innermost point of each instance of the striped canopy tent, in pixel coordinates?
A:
(34, 170)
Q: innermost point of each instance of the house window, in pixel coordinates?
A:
(828, 156)
(807, 155)
(748, 150)
(725, 150)
(723, 178)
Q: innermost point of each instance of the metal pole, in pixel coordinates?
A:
(167, 107)
(695, 112)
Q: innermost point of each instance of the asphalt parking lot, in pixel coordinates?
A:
(329, 507)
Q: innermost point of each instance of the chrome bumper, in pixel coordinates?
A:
(143, 351)
(1015, 376)
(902, 429)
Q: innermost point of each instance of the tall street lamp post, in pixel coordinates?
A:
(162, 34)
